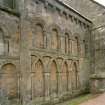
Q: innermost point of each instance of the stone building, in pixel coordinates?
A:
(49, 49)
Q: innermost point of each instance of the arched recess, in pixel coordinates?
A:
(54, 39)
(84, 48)
(1, 42)
(38, 38)
(38, 79)
(75, 77)
(76, 44)
(53, 79)
(67, 43)
(64, 77)
(9, 81)
(70, 75)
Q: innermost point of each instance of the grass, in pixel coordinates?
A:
(75, 101)
(80, 99)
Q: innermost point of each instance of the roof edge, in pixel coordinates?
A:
(98, 3)
(71, 8)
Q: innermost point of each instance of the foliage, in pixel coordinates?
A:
(6, 101)
(80, 99)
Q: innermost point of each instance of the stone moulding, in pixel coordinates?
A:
(9, 10)
(97, 76)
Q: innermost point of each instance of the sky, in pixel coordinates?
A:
(101, 2)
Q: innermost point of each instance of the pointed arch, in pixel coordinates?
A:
(64, 77)
(53, 79)
(38, 80)
(1, 42)
(75, 76)
(70, 75)
(9, 81)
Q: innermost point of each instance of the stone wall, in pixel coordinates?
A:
(95, 12)
(45, 53)
(57, 46)
(9, 55)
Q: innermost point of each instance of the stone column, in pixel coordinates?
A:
(47, 86)
(63, 44)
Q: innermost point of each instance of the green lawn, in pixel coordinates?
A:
(80, 99)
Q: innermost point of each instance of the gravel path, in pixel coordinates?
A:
(100, 100)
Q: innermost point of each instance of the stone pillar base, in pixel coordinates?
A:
(97, 83)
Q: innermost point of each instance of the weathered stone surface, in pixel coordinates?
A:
(48, 50)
